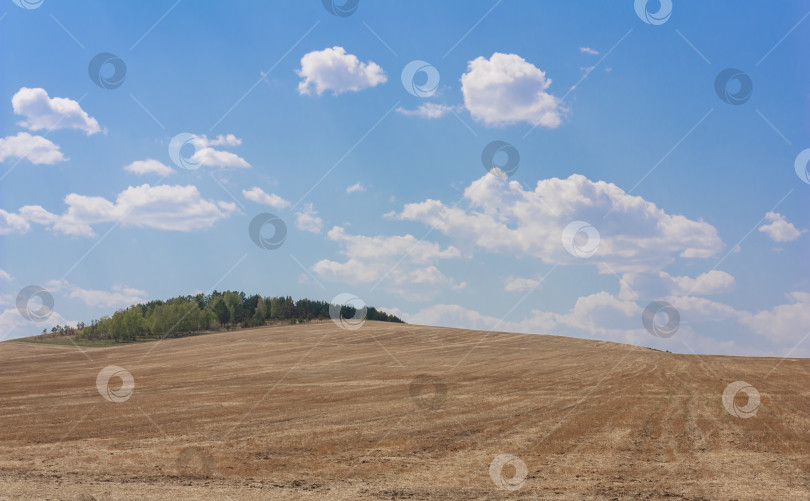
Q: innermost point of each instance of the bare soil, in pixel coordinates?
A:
(394, 411)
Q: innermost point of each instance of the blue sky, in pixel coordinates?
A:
(303, 114)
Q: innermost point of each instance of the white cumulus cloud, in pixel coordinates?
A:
(648, 286)
(36, 149)
(405, 265)
(599, 314)
(205, 153)
(43, 112)
(506, 89)
(355, 188)
(218, 158)
(164, 207)
(12, 223)
(788, 323)
(705, 325)
(333, 69)
(502, 217)
(779, 229)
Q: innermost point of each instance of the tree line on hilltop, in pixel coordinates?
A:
(185, 315)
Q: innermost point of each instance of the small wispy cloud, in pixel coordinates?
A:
(518, 284)
(588, 50)
(149, 166)
(259, 196)
(428, 110)
(307, 219)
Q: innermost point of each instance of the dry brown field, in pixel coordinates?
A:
(394, 411)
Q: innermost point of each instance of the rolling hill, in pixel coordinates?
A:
(394, 411)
